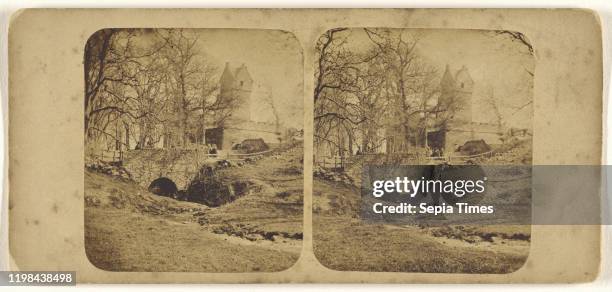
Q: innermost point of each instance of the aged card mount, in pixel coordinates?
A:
(193, 146)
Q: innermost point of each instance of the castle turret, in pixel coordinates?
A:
(447, 84)
(456, 98)
(464, 86)
(237, 84)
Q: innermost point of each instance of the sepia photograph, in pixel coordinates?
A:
(450, 103)
(193, 150)
(304, 147)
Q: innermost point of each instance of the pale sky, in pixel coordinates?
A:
(274, 60)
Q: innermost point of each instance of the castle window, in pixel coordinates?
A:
(462, 84)
(242, 83)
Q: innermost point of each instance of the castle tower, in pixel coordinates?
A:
(236, 83)
(456, 96)
(447, 85)
(464, 86)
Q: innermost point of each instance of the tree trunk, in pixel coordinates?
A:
(127, 136)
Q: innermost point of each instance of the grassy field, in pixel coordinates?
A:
(129, 229)
(344, 242)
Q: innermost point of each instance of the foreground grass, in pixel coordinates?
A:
(343, 242)
(120, 241)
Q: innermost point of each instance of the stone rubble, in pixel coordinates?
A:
(110, 168)
(334, 176)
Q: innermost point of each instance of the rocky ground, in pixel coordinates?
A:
(514, 152)
(128, 228)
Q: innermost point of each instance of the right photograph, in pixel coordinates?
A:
(445, 101)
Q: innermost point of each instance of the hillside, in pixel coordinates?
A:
(343, 241)
(128, 228)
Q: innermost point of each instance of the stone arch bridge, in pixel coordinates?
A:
(179, 165)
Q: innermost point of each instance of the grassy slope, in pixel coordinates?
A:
(278, 205)
(130, 229)
(125, 241)
(343, 242)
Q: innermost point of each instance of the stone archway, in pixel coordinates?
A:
(163, 186)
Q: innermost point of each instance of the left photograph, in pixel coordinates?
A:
(193, 150)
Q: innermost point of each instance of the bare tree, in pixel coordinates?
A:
(407, 76)
(494, 104)
(269, 99)
(191, 83)
(149, 100)
(359, 92)
(100, 64)
(112, 62)
(527, 50)
(328, 57)
(335, 106)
